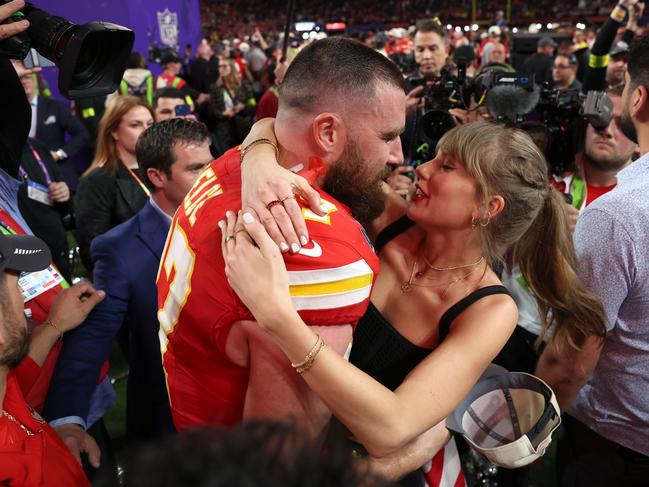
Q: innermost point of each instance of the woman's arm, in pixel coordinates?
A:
(381, 420)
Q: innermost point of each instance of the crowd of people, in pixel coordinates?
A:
(307, 277)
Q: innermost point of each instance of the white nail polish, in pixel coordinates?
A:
(295, 248)
(283, 247)
(221, 224)
(248, 218)
(228, 214)
(304, 240)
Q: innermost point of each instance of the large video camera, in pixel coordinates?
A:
(91, 57)
(451, 89)
(555, 119)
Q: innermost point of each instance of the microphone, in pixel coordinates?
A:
(508, 103)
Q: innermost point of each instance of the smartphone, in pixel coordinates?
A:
(183, 110)
(35, 60)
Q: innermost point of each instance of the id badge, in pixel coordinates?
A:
(38, 192)
(33, 284)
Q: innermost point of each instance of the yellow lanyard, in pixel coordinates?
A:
(144, 188)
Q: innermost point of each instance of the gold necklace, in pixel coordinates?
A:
(10, 417)
(406, 287)
(454, 267)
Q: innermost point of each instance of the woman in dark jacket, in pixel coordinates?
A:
(233, 104)
(112, 191)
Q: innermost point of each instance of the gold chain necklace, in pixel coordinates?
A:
(454, 267)
(10, 417)
(406, 287)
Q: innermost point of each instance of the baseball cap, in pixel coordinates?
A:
(546, 41)
(619, 47)
(508, 417)
(23, 253)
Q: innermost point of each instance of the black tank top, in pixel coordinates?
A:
(380, 350)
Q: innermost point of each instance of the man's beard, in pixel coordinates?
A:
(16, 343)
(352, 182)
(606, 164)
(626, 123)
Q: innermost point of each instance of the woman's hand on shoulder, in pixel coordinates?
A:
(269, 190)
(254, 267)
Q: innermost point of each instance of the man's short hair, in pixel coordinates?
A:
(638, 64)
(429, 25)
(572, 59)
(166, 92)
(155, 147)
(336, 68)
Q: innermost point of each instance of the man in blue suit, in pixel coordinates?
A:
(51, 121)
(172, 154)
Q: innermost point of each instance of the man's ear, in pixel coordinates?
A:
(329, 134)
(157, 177)
(640, 102)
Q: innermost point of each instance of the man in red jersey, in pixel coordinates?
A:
(341, 110)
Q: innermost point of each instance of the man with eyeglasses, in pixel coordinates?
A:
(564, 72)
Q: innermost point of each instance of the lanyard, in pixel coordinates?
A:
(6, 229)
(144, 188)
(37, 156)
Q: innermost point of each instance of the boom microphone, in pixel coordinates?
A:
(508, 103)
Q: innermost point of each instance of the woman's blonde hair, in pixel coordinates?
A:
(533, 225)
(106, 155)
(234, 78)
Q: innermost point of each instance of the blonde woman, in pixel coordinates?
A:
(439, 313)
(111, 191)
(233, 104)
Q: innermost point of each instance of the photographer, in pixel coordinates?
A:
(430, 51)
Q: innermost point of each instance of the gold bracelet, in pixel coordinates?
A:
(309, 355)
(244, 150)
(309, 364)
(50, 323)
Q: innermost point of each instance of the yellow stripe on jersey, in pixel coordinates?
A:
(331, 288)
(352, 284)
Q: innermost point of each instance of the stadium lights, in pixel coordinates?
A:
(474, 27)
(467, 28)
(304, 26)
(515, 30)
(458, 29)
(449, 26)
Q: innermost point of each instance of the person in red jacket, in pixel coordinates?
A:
(31, 453)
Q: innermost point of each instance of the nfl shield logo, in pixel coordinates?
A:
(168, 25)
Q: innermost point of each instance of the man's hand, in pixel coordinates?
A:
(9, 30)
(399, 182)
(635, 14)
(203, 98)
(573, 216)
(71, 306)
(59, 192)
(77, 441)
(414, 100)
(628, 4)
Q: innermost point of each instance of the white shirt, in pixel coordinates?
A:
(32, 127)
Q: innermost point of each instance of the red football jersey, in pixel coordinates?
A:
(331, 279)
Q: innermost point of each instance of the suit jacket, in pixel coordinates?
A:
(103, 201)
(126, 263)
(53, 121)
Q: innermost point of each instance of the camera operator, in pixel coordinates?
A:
(430, 51)
(606, 152)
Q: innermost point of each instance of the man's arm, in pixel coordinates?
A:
(275, 390)
(567, 371)
(79, 137)
(87, 348)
